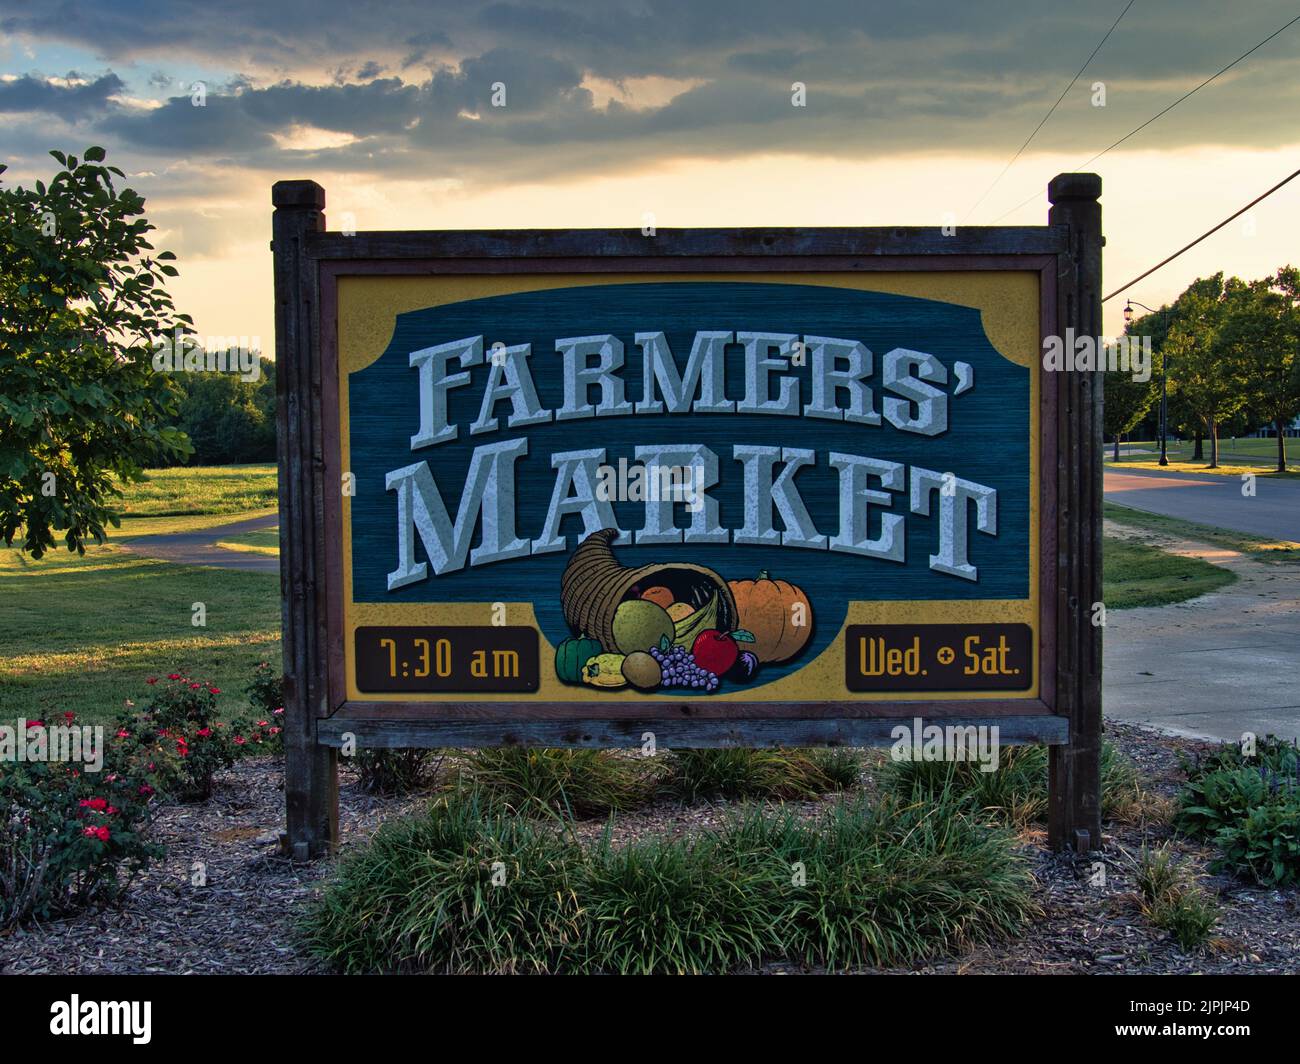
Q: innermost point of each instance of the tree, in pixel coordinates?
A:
(81, 409)
(1263, 333)
(228, 419)
(1210, 376)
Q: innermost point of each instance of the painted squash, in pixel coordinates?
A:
(572, 655)
(777, 613)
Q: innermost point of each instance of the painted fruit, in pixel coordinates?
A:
(778, 613)
(688, 629)
(745, 668)
(640, 624)
(660, 596)
(642, 671)
(604, 670)
(680, 610)
(715, 651)
(572, 655)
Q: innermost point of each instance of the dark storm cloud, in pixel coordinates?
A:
(29, 93)
(939, 75)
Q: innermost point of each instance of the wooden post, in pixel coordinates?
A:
(311, 770)
(1074, 775)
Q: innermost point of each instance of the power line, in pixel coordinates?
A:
(1050, 111)
(1210, 232)
(1159, 114)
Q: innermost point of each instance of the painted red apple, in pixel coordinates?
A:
(715, 651)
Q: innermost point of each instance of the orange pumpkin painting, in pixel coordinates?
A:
(777, 613)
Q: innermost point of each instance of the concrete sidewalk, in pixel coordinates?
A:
(1218, 665)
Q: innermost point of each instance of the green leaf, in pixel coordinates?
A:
(94, 154)
(742, 636)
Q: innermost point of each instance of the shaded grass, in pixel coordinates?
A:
(1173, 900)
(1016, 792)
(578, 783)
(1135, 574)
(201, 490)
(741, 773)
(1260, 547)
(84, 633)
(458, 889)
(1248, 455)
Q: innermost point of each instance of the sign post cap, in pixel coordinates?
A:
(1074, 187)
(298, 195)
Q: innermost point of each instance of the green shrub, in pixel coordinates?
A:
(1223, 797)
(737, 773)
(884, 884)
(1264, 845)
(179, 725)
(1279, 756)
(1172, 900)
(397, 771)
(266, 700)
(581, 783)
(71, 838)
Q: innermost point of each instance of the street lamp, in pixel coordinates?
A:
(1164, 390)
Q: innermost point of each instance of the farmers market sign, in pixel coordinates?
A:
(730, 489)
(697, 488)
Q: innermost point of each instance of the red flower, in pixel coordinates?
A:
(203, 733)
(69, 716)
(35, 724)
(240, 740)
(97, 804)
(152, 680)
(263, 723)
(145, 790)
(277, 712)
(111, 810)
(101, 833)
(275, 731)
(173, 676)
(122, 733)
(214, 690)
(195, 686)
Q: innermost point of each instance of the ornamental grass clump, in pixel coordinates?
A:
(464, 889)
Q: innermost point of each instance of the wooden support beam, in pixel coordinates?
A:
(1074, 774)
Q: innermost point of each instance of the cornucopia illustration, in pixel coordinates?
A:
(671, 624)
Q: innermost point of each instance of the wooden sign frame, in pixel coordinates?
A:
(309, 261)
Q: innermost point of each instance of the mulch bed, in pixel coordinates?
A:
(241, 921)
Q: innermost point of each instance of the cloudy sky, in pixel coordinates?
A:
(678, 109)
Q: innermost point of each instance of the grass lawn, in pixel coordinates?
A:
(1250, 455)
(235, 489)
(1134, 574)
(1261, 547)
(84, 633)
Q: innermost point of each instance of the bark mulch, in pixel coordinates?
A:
(241, 920)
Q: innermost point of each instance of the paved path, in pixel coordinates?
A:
(200, 547)
(1219, 665)
(1211, 499)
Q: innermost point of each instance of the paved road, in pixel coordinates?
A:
(200, 547)
(1274, 510)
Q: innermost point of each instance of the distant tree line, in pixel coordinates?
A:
(229, 420)
(1231, 350)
